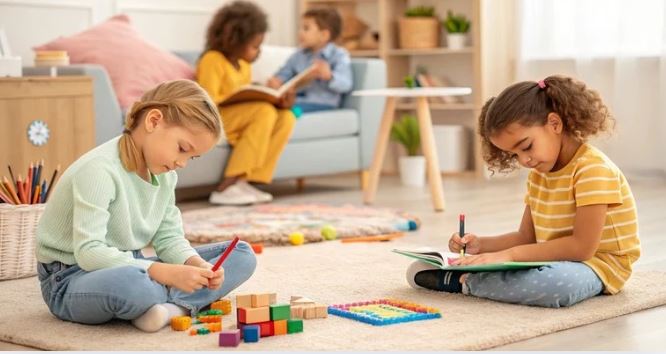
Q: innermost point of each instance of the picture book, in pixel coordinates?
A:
(444, 260)
(265, 93)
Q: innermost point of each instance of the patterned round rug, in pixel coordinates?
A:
(273, 223)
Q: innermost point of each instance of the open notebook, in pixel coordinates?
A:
(443, 260)
(265, 93)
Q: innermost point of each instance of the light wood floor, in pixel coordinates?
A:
(494, 207)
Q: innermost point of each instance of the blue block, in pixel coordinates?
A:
(251, 333)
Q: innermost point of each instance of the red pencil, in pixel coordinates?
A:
(225, 254)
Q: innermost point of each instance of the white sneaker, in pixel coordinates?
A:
(262, 197)
(233, 195)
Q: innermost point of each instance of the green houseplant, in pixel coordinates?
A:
(457, 27)
(412, 167)
(419, 28)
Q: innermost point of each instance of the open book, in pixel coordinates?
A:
(265, 93)
(443, 260)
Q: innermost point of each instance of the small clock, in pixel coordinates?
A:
(38, 132)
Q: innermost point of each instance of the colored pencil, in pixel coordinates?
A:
(42, 195)
(11, 173)
(373, 238)
(50, 186)
(28, 182)
(39, 173)
(226, 253)
(20, 189)
(35, 198)
(461, 233)
(10, 190)
(4, 197)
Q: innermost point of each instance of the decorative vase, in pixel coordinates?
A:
(412, 170)
(456, 41)
(418, 32)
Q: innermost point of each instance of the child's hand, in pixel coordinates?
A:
(472, 242)
(216, 281)
(288, 99)
(274, 83)
(484, 258)
(322, 69)
(184, 277)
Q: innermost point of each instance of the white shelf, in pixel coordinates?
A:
(430, 51)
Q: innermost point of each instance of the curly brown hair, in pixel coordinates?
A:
(326, 18)
(233, 27)
(583, 114)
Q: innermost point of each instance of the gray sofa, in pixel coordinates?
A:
(322, 142)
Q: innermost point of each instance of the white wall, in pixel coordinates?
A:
(170, 24)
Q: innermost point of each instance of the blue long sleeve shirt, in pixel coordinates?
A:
(319, 91)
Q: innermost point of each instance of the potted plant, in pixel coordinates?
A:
(457, 27)
(412, 166)
(419, 28)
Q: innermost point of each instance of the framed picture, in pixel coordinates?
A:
(4, 44)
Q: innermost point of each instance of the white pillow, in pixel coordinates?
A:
(270, 61)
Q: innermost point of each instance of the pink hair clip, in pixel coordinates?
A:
(542, 84)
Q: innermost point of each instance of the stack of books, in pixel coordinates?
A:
(51, 58)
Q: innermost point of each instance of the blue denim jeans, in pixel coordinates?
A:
(314, 107)
(73, 294)
(559, 284)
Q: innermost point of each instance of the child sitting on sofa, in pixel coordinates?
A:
(258, 131)
(332, 74)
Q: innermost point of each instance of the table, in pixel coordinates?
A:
(425, 128)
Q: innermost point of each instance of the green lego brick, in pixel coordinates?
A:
(280, 312)
(294, 326)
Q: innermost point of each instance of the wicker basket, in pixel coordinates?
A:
(418, 32)
(18, 227)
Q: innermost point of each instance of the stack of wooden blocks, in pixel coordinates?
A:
(302, 307)
(259, 315)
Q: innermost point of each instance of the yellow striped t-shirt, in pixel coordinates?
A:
(589, 178)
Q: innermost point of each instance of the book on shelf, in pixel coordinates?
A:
(264, 93)
(444, 260)
(426, 80)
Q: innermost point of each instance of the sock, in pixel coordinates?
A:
(158, 316)
(423, 275)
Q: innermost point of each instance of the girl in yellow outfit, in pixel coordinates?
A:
(258, 131)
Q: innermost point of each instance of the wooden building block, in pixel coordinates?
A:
(309, 312)
(280, 327)
(266, 329)
(272, 298)
(321, 311)
(260, 300)
(244, 300)
(280, 312)
(230, 338)
(296, 311)
(294, 326)
(251, 333)
(254, 315)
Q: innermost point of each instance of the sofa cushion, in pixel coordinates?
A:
(326, 124)
(133, 64)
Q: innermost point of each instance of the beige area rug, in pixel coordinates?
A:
(333, 273)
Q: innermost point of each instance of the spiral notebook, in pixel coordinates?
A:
(443, 260)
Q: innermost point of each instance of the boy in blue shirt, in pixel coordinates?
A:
(332, 76)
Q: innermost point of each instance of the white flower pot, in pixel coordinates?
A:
(412, 170)
(456, 41)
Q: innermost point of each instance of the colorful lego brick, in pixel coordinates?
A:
(193, 332)
(254, 315)
(294, 326)
(214, 327)
(212, 312)
(280, 327)
(384, 312)
(223, 305)
(230, 338)
(260, 300)
(266, 329)
(258, 248)
(210, 319)
(280, 312)
(203, 330)
(251, 333)
(244, 301)
(181, 323)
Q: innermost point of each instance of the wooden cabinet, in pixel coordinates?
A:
(48, 118)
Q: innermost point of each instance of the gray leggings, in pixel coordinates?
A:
(559, 284)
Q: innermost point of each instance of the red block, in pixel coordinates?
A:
(266, 328)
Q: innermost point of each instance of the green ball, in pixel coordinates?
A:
(328, 232)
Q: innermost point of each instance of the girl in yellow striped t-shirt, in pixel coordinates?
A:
(579, 210)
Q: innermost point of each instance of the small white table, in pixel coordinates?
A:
(425, 129)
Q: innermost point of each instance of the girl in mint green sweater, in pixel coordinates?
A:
(119, 198)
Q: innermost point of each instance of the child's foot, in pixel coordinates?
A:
(157, 317)
(422, 275)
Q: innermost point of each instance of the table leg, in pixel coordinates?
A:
(430, 153)
(380, 150)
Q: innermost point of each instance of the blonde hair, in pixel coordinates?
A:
(182, 103)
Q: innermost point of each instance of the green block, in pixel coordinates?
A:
(280, 312)
(294, 326)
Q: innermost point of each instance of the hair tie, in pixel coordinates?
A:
(542, 84)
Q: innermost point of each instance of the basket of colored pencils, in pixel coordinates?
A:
(22, 204)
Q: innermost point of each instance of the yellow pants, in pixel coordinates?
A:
(258, 133)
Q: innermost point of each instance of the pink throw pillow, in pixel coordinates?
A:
(133, 64)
